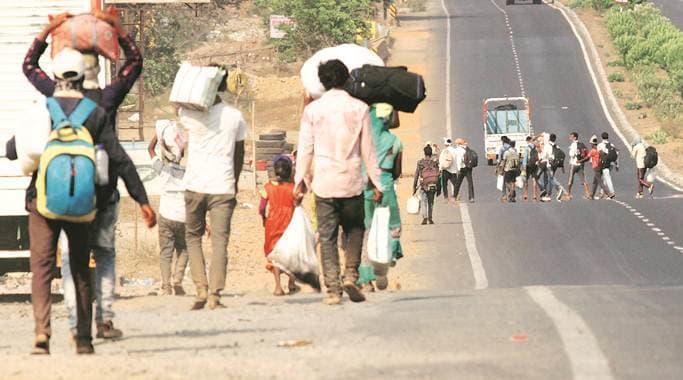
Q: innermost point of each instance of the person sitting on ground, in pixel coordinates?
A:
(171, 205)
(427, 177)
(276, 210)
(639, 153)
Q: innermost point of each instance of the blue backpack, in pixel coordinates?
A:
(66, 175)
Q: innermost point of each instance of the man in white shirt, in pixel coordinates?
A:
(457, 162)
(577, 152)
(547, 162)
(215, 160)
(606, 172)
(171, 205)
(462, 170)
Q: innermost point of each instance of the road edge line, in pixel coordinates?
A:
(480, 280)
(449, 121)
(587, 359)
(668, 177)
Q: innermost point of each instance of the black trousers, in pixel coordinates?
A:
(464, 173)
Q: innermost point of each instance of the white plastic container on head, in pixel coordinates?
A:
(195, 87)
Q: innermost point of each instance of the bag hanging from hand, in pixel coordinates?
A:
(413, 204)
(499, 183)
(379, 237)
(519, 182)
(295, 252)
(651, 175)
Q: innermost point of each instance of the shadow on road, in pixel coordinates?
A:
(172, 349)
(199, 333)
(22, 298)
(433, 297)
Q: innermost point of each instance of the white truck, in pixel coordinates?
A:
(21, 21)
(509, 117)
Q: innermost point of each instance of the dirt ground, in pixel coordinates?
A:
(642, 120)
(277, 95)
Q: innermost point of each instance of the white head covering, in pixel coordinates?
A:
(68, 61)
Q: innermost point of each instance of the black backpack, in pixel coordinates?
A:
(394, 85)
(532, 161)
(612, 153)
(651, 157)
(558, 158)
(582, 151)
(471, 158)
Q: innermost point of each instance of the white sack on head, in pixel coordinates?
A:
(354, 57)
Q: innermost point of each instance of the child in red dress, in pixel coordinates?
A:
(276, 209)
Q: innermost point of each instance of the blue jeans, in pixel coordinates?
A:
(68, 283)
(103, 246)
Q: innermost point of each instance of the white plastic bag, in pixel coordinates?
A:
(651, 175)
(195, 87)
(295, 251)
(519, 182)
(413, 204)
(31, 137)
(499, 183)
(379, 237)
(354, 57)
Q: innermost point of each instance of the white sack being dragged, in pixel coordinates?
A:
(195, 87)
(354, 57)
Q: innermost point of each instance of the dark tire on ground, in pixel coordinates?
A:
(273, 151)
(490, 162)
(537, 2)
(510, 2)
(273, 136)
(270, 144)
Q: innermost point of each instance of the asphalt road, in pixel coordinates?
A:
(673, 9)
(582, 289)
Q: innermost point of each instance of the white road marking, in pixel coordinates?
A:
(448, 69)
(480, 280)
(514, 47)
(647, 222)
(601, 97)
(587, 359)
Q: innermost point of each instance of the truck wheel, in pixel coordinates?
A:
(490, 162)
(537, 2)
(510, 2)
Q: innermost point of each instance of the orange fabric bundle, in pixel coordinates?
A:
(86, 33)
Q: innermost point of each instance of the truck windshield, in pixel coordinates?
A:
(507, 121)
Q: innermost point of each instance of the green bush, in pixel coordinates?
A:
(616, 77)
(659, 137)
(617, 63)
(632, 106)
(652, 47)
(318, 23)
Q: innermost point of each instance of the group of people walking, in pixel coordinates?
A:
(439, 170)
(533, 167)
(347, 158)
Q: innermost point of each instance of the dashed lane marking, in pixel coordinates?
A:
(514, 47)
(587, 359)
(653, 227)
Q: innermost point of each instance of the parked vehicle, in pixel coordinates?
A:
(509, 117)
(21, 21)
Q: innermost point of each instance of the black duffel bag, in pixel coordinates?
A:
(394, 85)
